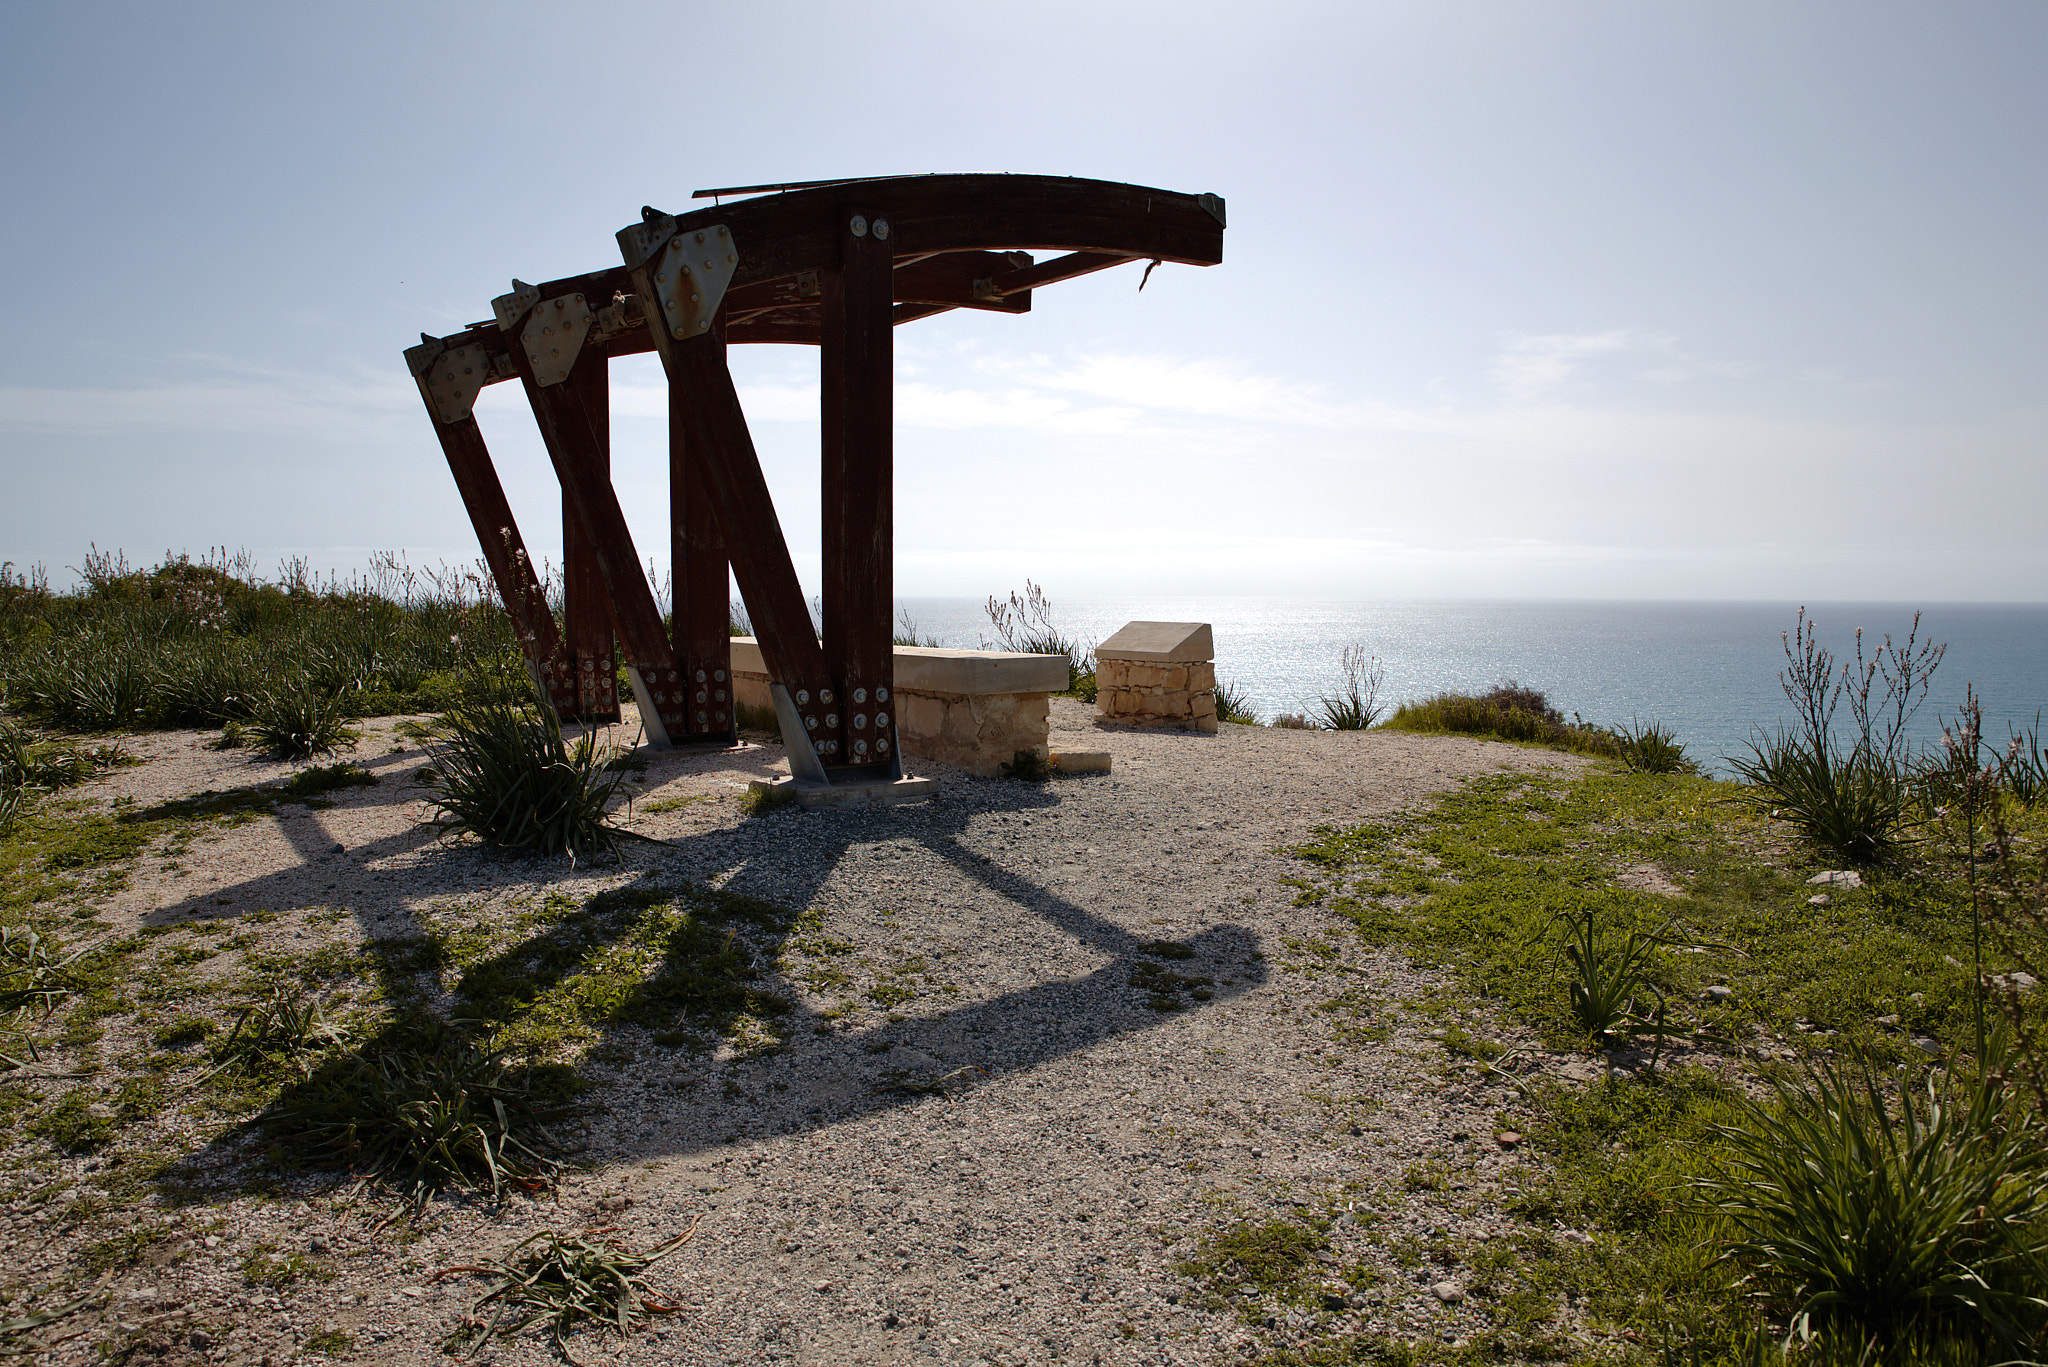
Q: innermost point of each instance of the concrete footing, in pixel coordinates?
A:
(879, 793)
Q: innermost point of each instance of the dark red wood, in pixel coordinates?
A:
(586, 606)
(715, 433)
(700, 609)
(1011, 283)
(856, 368)
(497, 533)
(571, 433)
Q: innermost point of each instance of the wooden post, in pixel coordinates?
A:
(586, 610)
(570, 431)
(715, 433)
(857, 380)
(700, 608)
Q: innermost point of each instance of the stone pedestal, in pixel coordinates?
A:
(972, 709)
(1158, 674)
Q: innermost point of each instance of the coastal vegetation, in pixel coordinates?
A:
(1811, 1129)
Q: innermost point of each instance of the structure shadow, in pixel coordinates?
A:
(822, 1074)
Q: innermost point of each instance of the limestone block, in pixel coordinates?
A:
(918, 715)
(1203, 705)
(1159, 642)
(1202, 677)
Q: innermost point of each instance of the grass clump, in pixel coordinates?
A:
(1357, 704)
(1234, 705)
(563, 1281)
(425, 1108)
(505, 774)
(206, 643)
(283, 1036)
(1849, 788)
(296, 719)
(1898, 1217)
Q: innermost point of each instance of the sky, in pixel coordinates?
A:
(1582, 300)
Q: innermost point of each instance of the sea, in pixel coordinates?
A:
(1710, 671)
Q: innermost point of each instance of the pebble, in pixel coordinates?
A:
(1840, 878)
(1718, 994)
(1450, 1293)
(1508, 1139)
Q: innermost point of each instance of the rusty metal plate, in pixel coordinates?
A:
(554, 334)
(453, 380)
(691, 278)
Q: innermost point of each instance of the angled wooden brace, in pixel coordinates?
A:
(687, 277)
(548, 353)
(450, 379)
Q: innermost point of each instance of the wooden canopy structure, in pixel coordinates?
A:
(836, 265)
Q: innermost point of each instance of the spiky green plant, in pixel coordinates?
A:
(1900, 1218)
(295, 719)
(1653, 748)
(505, 773)
(1234, 705)
(1610, 983)
(1357, 704)
(284, 1035)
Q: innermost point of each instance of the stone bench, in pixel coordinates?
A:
(972, 709)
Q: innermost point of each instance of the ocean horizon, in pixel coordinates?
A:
(1708, 670)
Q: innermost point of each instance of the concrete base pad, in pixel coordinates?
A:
(879, 793)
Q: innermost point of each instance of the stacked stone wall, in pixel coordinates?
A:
(1148, 693)
(977, 732)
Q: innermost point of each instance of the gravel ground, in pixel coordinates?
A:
(1004, 1166)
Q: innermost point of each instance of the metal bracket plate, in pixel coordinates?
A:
(640, 243)
(508, 309)
(453, 379)
(804, 765)
(691, 278)
(554, 335)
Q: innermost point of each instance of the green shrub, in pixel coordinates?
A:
(1893, 1220)
(296, 718)
(1508, 712)
(505, 774)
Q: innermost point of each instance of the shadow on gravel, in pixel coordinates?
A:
(822, 1075)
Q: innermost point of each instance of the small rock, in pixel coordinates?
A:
(1358, 1300)
(1840, 878)
(1819, 899)
(1929, 1047)
(1450, 1293)
(317, 1245)
(1887, 1020)
(339, 848)
(1336, 1300)
(1507, 1139)
(822, 1287)
(199, 1340)
(1718, 994)
(2015, 982)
